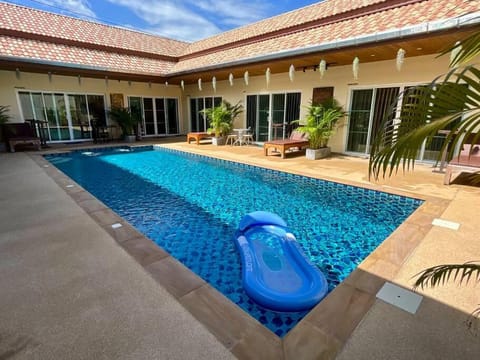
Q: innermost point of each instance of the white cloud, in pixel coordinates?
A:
(192, 20)
(77, 7)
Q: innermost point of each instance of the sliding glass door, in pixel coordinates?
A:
(270, 115)
(369, 107)
(159, 115)
(367, 111)
(66, 117)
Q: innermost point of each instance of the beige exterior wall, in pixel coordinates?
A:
(10, 85)
(383, 73)
(415, 70)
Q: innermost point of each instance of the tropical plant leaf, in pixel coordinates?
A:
(466, 50)
(450, 102)
(440, 274)
(4, 117)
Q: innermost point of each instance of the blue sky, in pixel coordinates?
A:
(187, 20)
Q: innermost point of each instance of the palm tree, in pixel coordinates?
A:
(452, 102)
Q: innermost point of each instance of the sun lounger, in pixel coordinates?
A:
(20, 134)
(197, 136)
(465, 162)
(296, 141)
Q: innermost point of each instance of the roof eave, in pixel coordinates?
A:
(63, 68)
(393, 34)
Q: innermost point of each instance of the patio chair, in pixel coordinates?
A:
(20, 134)
(248, 136)
(467, 161)
(297, 141)
(100, 132)
(231, 139)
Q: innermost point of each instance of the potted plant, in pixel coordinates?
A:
(127, 121)
(221, 119)
(319, 126)
(4, 118)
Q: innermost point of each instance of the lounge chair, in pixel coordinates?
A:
(296, 141)
(20, 134)
(197, 136)
(464, 162)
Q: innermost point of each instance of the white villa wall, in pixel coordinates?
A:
(415, 70)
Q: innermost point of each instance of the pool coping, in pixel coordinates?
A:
(320, 334)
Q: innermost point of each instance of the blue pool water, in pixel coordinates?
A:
(191, 205)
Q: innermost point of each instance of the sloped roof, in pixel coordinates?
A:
(20, 19)
(59, 40)
(314, 12)
(371, 22)
(65, 55)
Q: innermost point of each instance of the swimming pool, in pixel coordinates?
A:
(191, 205)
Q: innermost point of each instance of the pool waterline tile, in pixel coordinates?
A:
(298, 341)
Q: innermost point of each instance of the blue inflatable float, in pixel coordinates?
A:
(276, 274)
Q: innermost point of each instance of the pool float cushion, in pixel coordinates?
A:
(276, 274)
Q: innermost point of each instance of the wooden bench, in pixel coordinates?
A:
(296, 141)
(20, 133)
(197, 136)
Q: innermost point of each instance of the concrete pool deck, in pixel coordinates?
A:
(74, 288)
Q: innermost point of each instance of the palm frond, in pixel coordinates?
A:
(468, 49)
(426, 110)
(440, 274)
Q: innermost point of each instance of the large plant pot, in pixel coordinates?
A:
(218, 140)
(315, 154)
(130, 138)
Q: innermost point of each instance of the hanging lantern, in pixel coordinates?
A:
(355, 67)
(245, 77)
(166, 83)
(182, 85)
(200, 84)
(322, 67)
(291, 73)
(455, 51)
(214, 84)
(230, 79)
(400, 58)
(267, 76)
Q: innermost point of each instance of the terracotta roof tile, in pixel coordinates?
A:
(413, 14)
(304, 15)
(75, 56)
(74, 33)
(32, 21)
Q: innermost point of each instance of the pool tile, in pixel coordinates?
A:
(371, 274)
(103, 216)
(401, 243)
(82, 196)
(174, 276)
(91, 205)
(144, 250)
(341, 311)
(259, 343)
(123, 233)
(223, 318)
(307, 342)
